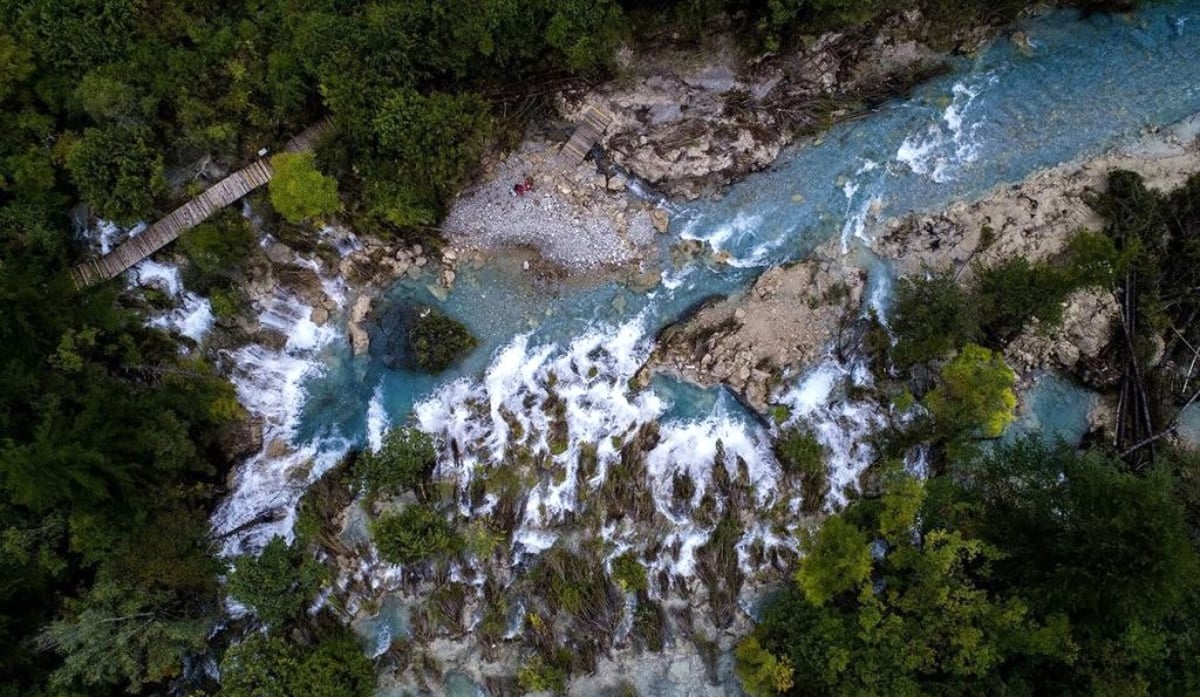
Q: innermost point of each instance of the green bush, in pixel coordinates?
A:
(975, 396)
(649, 622)
(404, 461)
(571, 583)
(279, 584)
(1015, 291)
(837, 559)
(801, 454)
(118, 171)
(538, 675)
(931, 317)
(586, 33)
(428, 147)
(416, 534)
(629, 573)
(761, 673)
(298, 191)
(269, 666)
(226, 303)
(217, 250)
(437, 342)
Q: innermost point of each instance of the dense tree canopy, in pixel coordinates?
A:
(278, 584)
(1029, 570)
(266, 666)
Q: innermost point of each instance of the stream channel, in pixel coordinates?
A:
(1085, 86)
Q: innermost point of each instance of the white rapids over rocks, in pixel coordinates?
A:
(270, 383)
(842, 425)
(481, 423)
(947, 145)
(190, 315)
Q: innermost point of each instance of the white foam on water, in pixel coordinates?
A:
(688, 539)
(939, 150)
(857, 211)
(673, 279)
(537, 388)
(727, 237)
(377, 419)
(691, 448)
(514, 410)
(760, 533)
(106, 235)
(270, 383)
(842, 425)
(149, 273)
(192, 315)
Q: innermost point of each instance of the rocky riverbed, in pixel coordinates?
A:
(794, 313)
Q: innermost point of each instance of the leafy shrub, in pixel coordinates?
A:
(269, 666)
(1094, 260)
(762, 673)
(298, 191)
(404, 461)
(428, 146)
(437, 342)
(226, 304)
(718, 568)
(540, 675)
(931, 317)
(1016, 290)
(837, 560)
(416, 534)
(586, 33)
(572, 583)
(629, 574)
(800, 453)
(118, 171)
(278, 584)
(648, 623)
(975, 396)
(217, 249)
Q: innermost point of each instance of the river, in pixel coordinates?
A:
(1084, 86)
(1081, 87)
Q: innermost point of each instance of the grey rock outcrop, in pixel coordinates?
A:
(784, 323)
(1089, 318)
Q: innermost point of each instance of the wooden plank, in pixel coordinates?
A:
(189, 215)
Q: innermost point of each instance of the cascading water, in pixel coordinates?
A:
(1085, 85)
(269, 384)
(552, 375)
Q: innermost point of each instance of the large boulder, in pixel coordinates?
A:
(785, 322)
(360, 340)
(1089, 318)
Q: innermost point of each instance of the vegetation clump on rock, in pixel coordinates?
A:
(414, 535)
(437, 342)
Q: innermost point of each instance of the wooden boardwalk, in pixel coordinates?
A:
(187, 216)
(587, 133)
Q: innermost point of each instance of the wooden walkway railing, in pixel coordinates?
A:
(187, 216)
(593, 126)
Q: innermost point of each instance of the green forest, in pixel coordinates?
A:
(1030, 569)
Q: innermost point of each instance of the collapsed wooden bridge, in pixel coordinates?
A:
(187, 216)
(589, 131)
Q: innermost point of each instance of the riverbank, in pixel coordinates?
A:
(745, 342)
(687, 122)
